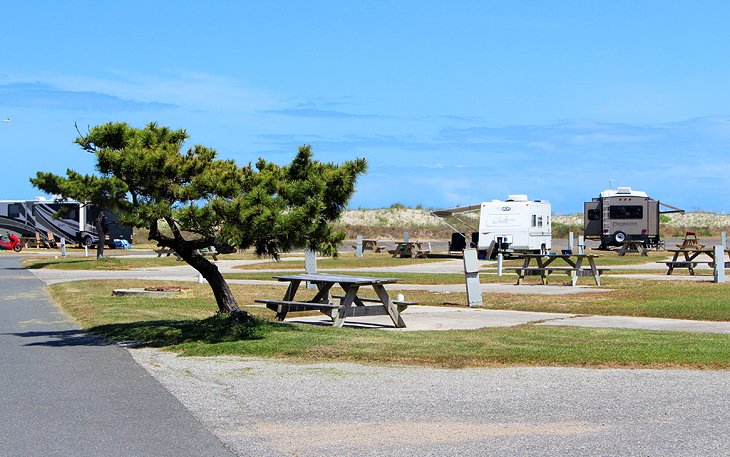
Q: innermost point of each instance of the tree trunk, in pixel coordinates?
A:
(99, 223)
(223, 295)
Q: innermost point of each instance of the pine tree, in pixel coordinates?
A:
(190, 200)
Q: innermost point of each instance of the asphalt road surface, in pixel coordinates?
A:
(66, 393)
(274, 408)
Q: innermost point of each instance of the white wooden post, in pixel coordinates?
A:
(310, 265)
(471, 274)
(358, 246)
(500, 257)
(723, 239)
(405, 236)
(63, 247)
(570, 241)
(581, 245)
(86, 251)
(719, 276)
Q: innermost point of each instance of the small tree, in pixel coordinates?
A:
(106, 193)
(204, 201)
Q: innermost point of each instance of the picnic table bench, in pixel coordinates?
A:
(638, 246)
(371, 245)
(689, 260)
(544, 261)
(348, 305)
(412, 249)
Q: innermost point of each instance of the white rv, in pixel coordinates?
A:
(55, 220)
(516, 224)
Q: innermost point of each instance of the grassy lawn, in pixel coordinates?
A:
(186, 323)
(347, 260)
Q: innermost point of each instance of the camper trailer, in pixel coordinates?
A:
(69, 220)
(623, 214)
(515, 225)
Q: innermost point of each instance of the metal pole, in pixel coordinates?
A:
(500, 257)
(570, 241)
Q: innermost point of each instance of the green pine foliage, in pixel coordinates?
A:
(206, 201)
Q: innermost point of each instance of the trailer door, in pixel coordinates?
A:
(652, 218)
(592, 219)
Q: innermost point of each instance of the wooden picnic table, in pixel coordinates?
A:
(544, 261)
(339, 307)
(633, 246)
(411, 249)
(689, 259)
(370, 244)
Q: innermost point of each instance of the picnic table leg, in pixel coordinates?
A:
(281, 310)
(389, 306)
(690, 267)
(543, 273)
(345, 303)
(574, 272)
(323, 295)
(521, 273)
(594, 270)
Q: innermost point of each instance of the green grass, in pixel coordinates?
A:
(523, 345)
(187, 323)
(107, 263)
(348, 260)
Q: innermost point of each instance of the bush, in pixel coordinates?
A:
(562, 230)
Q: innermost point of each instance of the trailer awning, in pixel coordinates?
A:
(450, 212)
(672, 209)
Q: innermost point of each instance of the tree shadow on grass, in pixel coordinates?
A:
(215, 329)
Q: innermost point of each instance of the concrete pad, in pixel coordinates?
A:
(440, 318)
(642, 323)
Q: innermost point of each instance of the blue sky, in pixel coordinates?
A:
(451, 104)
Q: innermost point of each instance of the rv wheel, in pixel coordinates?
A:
(619, 237)
(87, 240)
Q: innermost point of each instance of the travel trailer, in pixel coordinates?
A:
(623, 214)
(513, 225)
(69, 220)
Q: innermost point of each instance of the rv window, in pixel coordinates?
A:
(594, 215)
(534, 220)
(14, 211)
(626, 212)
(539, 221)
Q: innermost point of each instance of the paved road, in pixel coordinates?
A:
(65, 393)
(339, 409)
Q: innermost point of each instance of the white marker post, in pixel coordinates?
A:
(63, 247)
(723, 239)
(310, 265)
(581, 245)
(358, 246)
(719, 275)
(471, 274)
(500, 258)
(570, 240)
(405, 236)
